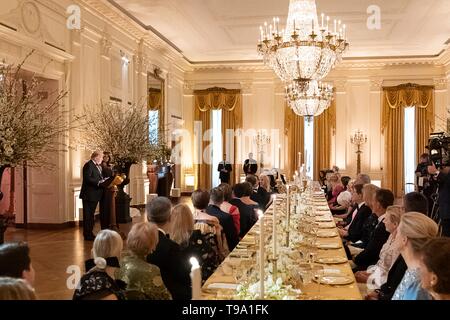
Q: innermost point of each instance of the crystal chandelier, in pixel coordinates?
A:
(303, 54)
(309, 98)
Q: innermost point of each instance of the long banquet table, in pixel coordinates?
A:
(242, 263)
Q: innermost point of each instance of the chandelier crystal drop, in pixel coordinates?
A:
(308, 98)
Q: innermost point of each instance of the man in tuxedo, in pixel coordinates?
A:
(442, 176)
(225, 219)
(250, 165)
(224, 169)
(174, 266)
(357, 217)
(91, 192)
(370, 255)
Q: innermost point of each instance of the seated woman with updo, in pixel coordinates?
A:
(99, 283)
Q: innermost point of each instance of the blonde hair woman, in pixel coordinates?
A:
(196, 239)
(376, 275)
(143, 279)
(15, 289)
(414, 230)
(98, 283)
(369, 191)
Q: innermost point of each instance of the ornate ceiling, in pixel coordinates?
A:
(218, 30)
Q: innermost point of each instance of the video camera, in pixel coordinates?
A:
(439, 149)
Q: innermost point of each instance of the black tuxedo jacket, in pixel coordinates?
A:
(394, 278)
(174, 267)
(247, 216)
(250, 167)
(226, 221)
(444, 196)
(371, 253)
(355, 231)
(90, 190)
(224, 176)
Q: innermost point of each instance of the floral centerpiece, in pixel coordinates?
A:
(274, 290)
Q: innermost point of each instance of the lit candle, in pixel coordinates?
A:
(274, 229)
(261, 254)
(322, 15)
(262, 33)
(335, 26)
(343, 32)
(299, 158)
(278, 24)
(196, 279)
(265, 26)
(312, 25)
(328, 21)
(288, 214)
(294, 25)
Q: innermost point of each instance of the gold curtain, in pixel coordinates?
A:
(156, 103)
(324, 129)
(229, 101)
(395, 99)
(294, 129)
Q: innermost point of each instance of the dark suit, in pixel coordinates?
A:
(174, 267)
(371, 253)
(250, 166)
(226, 221)
(355, 230)
(395, 276)
(105, 202)
(224, 176)
(91, 193)
(247, 216)
(262, 197)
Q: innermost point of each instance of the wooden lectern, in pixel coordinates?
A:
(111, 189)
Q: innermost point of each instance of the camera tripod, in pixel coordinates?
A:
(434, 214)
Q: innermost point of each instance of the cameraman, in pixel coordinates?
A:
(443, 179)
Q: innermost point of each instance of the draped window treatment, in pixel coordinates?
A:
(229, 101)
(324, 129)
(395, 99)
(156, 103)
(294, 128)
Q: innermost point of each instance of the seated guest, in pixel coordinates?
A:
(227, 207)
(264, 191)
(343, 199)
(336, 188)
(208, 223)
(248, 193)
(142, 278)
(15, 289)
(376, 275)
(362, 178)
(99, 282)
(434, 269)
(371, 253)
(353, 231)
(225, 220)
(15, 262)
(414, 230)
(174, 267)
(415, 201)
(200, 243)
(247, 213)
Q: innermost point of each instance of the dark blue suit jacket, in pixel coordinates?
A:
(90, 190)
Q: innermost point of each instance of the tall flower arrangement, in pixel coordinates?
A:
(123, 130)
(31, 122)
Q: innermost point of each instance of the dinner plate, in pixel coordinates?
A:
(326, 233)
(331, 260)
(324, 219)
(331, 245)
(326, 225)
(335, 280)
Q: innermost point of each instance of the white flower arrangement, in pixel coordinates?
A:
(272, 290)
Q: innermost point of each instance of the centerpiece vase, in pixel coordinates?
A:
(122, 198)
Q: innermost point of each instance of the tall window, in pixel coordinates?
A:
(153, 123)
(216, 127)
(409, 149)
(309, 147)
